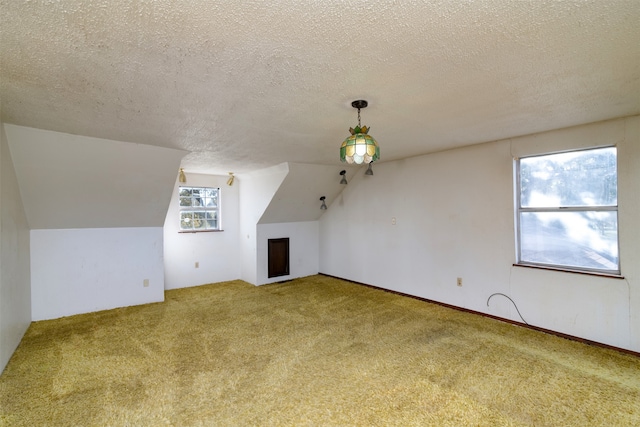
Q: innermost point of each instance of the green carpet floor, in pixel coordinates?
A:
(315, 351)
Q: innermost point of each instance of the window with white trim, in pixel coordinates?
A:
(567, 210)
(199, 209)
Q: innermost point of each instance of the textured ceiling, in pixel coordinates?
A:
(244, 85)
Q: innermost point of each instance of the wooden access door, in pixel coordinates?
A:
(278, 257)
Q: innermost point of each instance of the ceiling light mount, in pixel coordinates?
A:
(360, 103)
(360, 147)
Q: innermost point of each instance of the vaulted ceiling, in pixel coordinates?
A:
(243, 85)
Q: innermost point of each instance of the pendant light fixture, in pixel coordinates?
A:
(344, 178)
(360, 147)
(182, 177)
(323, 206)
(369, 171)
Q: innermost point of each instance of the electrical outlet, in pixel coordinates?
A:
(145, 283)
(197, 264)
(459, 281)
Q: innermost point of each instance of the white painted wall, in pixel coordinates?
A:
(77, 271)
(298, 195)
(303, 249)
(15, 291)
(256, 192)
(217, 253)
(74, 181)
(454, 214)
(283, 201)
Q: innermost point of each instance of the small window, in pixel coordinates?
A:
(567, 210)
(199, 209)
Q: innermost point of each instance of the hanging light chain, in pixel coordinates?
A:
(359, 118)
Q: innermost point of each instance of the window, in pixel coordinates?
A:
(199, 209)
(567, 210)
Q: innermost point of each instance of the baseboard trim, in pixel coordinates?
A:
(501, 319)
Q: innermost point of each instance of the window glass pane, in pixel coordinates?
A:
(212, 197)
(212, 220)
(186, 220)
(200, 205)
(578, 178)
(578, 239)
(199, 220)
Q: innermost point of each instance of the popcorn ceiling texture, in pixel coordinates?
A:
(249, 84)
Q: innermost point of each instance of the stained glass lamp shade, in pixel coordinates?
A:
(360, 147)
